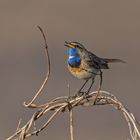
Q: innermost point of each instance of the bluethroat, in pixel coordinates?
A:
(85, 65)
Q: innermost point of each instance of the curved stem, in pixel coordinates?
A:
(47, 75)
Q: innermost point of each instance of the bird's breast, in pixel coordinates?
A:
(80, 72)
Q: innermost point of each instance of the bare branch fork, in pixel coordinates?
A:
(66, 103)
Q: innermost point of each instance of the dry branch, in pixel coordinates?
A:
(66, 103)
(48, 73)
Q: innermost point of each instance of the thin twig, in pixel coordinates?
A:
(47, 75)
(71, 125)
(19, 123)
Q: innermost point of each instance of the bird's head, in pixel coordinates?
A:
(75, 48)
(75, 45)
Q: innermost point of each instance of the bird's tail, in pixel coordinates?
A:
(114, 60)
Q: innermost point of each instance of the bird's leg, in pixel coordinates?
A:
(98, 92)
(90, 87)
(80, 93)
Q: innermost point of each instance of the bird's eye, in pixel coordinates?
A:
(79, 47)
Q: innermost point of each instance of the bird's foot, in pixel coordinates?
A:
(86, 95)
(96, 98)
(95, 101)
(80, 93)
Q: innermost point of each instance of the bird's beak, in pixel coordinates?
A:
(69, 45)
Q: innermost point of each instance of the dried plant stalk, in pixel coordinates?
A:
(65, 103)
(71, 125)
(47, 75)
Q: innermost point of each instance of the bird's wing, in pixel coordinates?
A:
(96, 62)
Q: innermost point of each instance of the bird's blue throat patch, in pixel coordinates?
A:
(73, 58)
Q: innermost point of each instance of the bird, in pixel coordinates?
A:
(85, 65)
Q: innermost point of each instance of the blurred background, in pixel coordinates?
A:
(109, 28)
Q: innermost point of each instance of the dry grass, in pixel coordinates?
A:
(65, 103)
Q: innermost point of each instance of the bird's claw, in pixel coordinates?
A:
(80, 93)
(85, 94)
